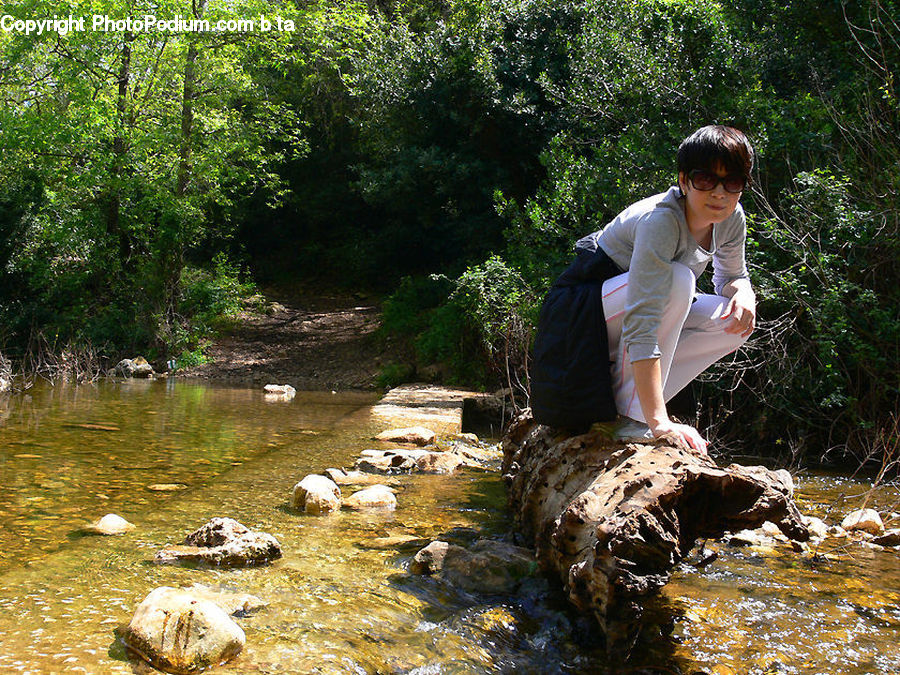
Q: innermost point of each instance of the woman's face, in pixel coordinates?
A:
(705, 207)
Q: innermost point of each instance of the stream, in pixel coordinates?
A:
(169, 454)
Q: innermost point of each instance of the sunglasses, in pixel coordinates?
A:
(704, 180)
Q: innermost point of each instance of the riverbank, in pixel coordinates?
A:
(314, 341)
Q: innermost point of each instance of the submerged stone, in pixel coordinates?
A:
(342, 477)
(176, 631)
(375, 497)
(488, 566)
(415, 435)
(889, 538)
(167, 487)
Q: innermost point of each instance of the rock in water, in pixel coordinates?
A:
(414, 435)
(375, 497)
(488, 566)
(866, 520)
(279, 392)
(141, 367)
(430, 560)
(889, 538)
(109, 524)
(124, 368)
(180, 633)
(316, 494)
(223, 541)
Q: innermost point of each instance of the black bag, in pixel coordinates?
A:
(571, 384)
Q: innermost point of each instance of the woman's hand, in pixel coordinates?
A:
(688, 434)
(741, 310)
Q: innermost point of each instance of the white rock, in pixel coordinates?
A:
(414, 435)
(770, 529)
(375, 497)
(180, 633)
(817, 527)
(317, 495)
(866, 520)
(279, 392)
(110, 524)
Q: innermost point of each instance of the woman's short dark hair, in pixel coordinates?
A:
(716, 144)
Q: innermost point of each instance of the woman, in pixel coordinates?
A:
(631, 293)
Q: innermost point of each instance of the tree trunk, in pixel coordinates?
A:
(611, 519)
(113, 207)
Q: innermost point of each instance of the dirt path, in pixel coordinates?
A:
(310, 341)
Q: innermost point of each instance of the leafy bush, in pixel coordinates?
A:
(480, 331)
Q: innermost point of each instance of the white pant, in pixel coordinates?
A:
(691, 337)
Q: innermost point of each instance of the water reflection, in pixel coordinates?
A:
(71, 454)
(338, 601)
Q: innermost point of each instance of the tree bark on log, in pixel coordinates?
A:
(611, 519)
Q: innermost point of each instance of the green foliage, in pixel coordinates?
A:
(840, 329)
(480, 332)
(139, 145)
(405, 311)
(191, 357)
(210, 300)
(394, 374)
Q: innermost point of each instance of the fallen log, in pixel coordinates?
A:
(611, 519)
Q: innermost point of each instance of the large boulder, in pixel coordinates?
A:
(225, 542)
(317, 495)
(178, 632)
(612, 518)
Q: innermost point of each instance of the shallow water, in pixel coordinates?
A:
(69, 455)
